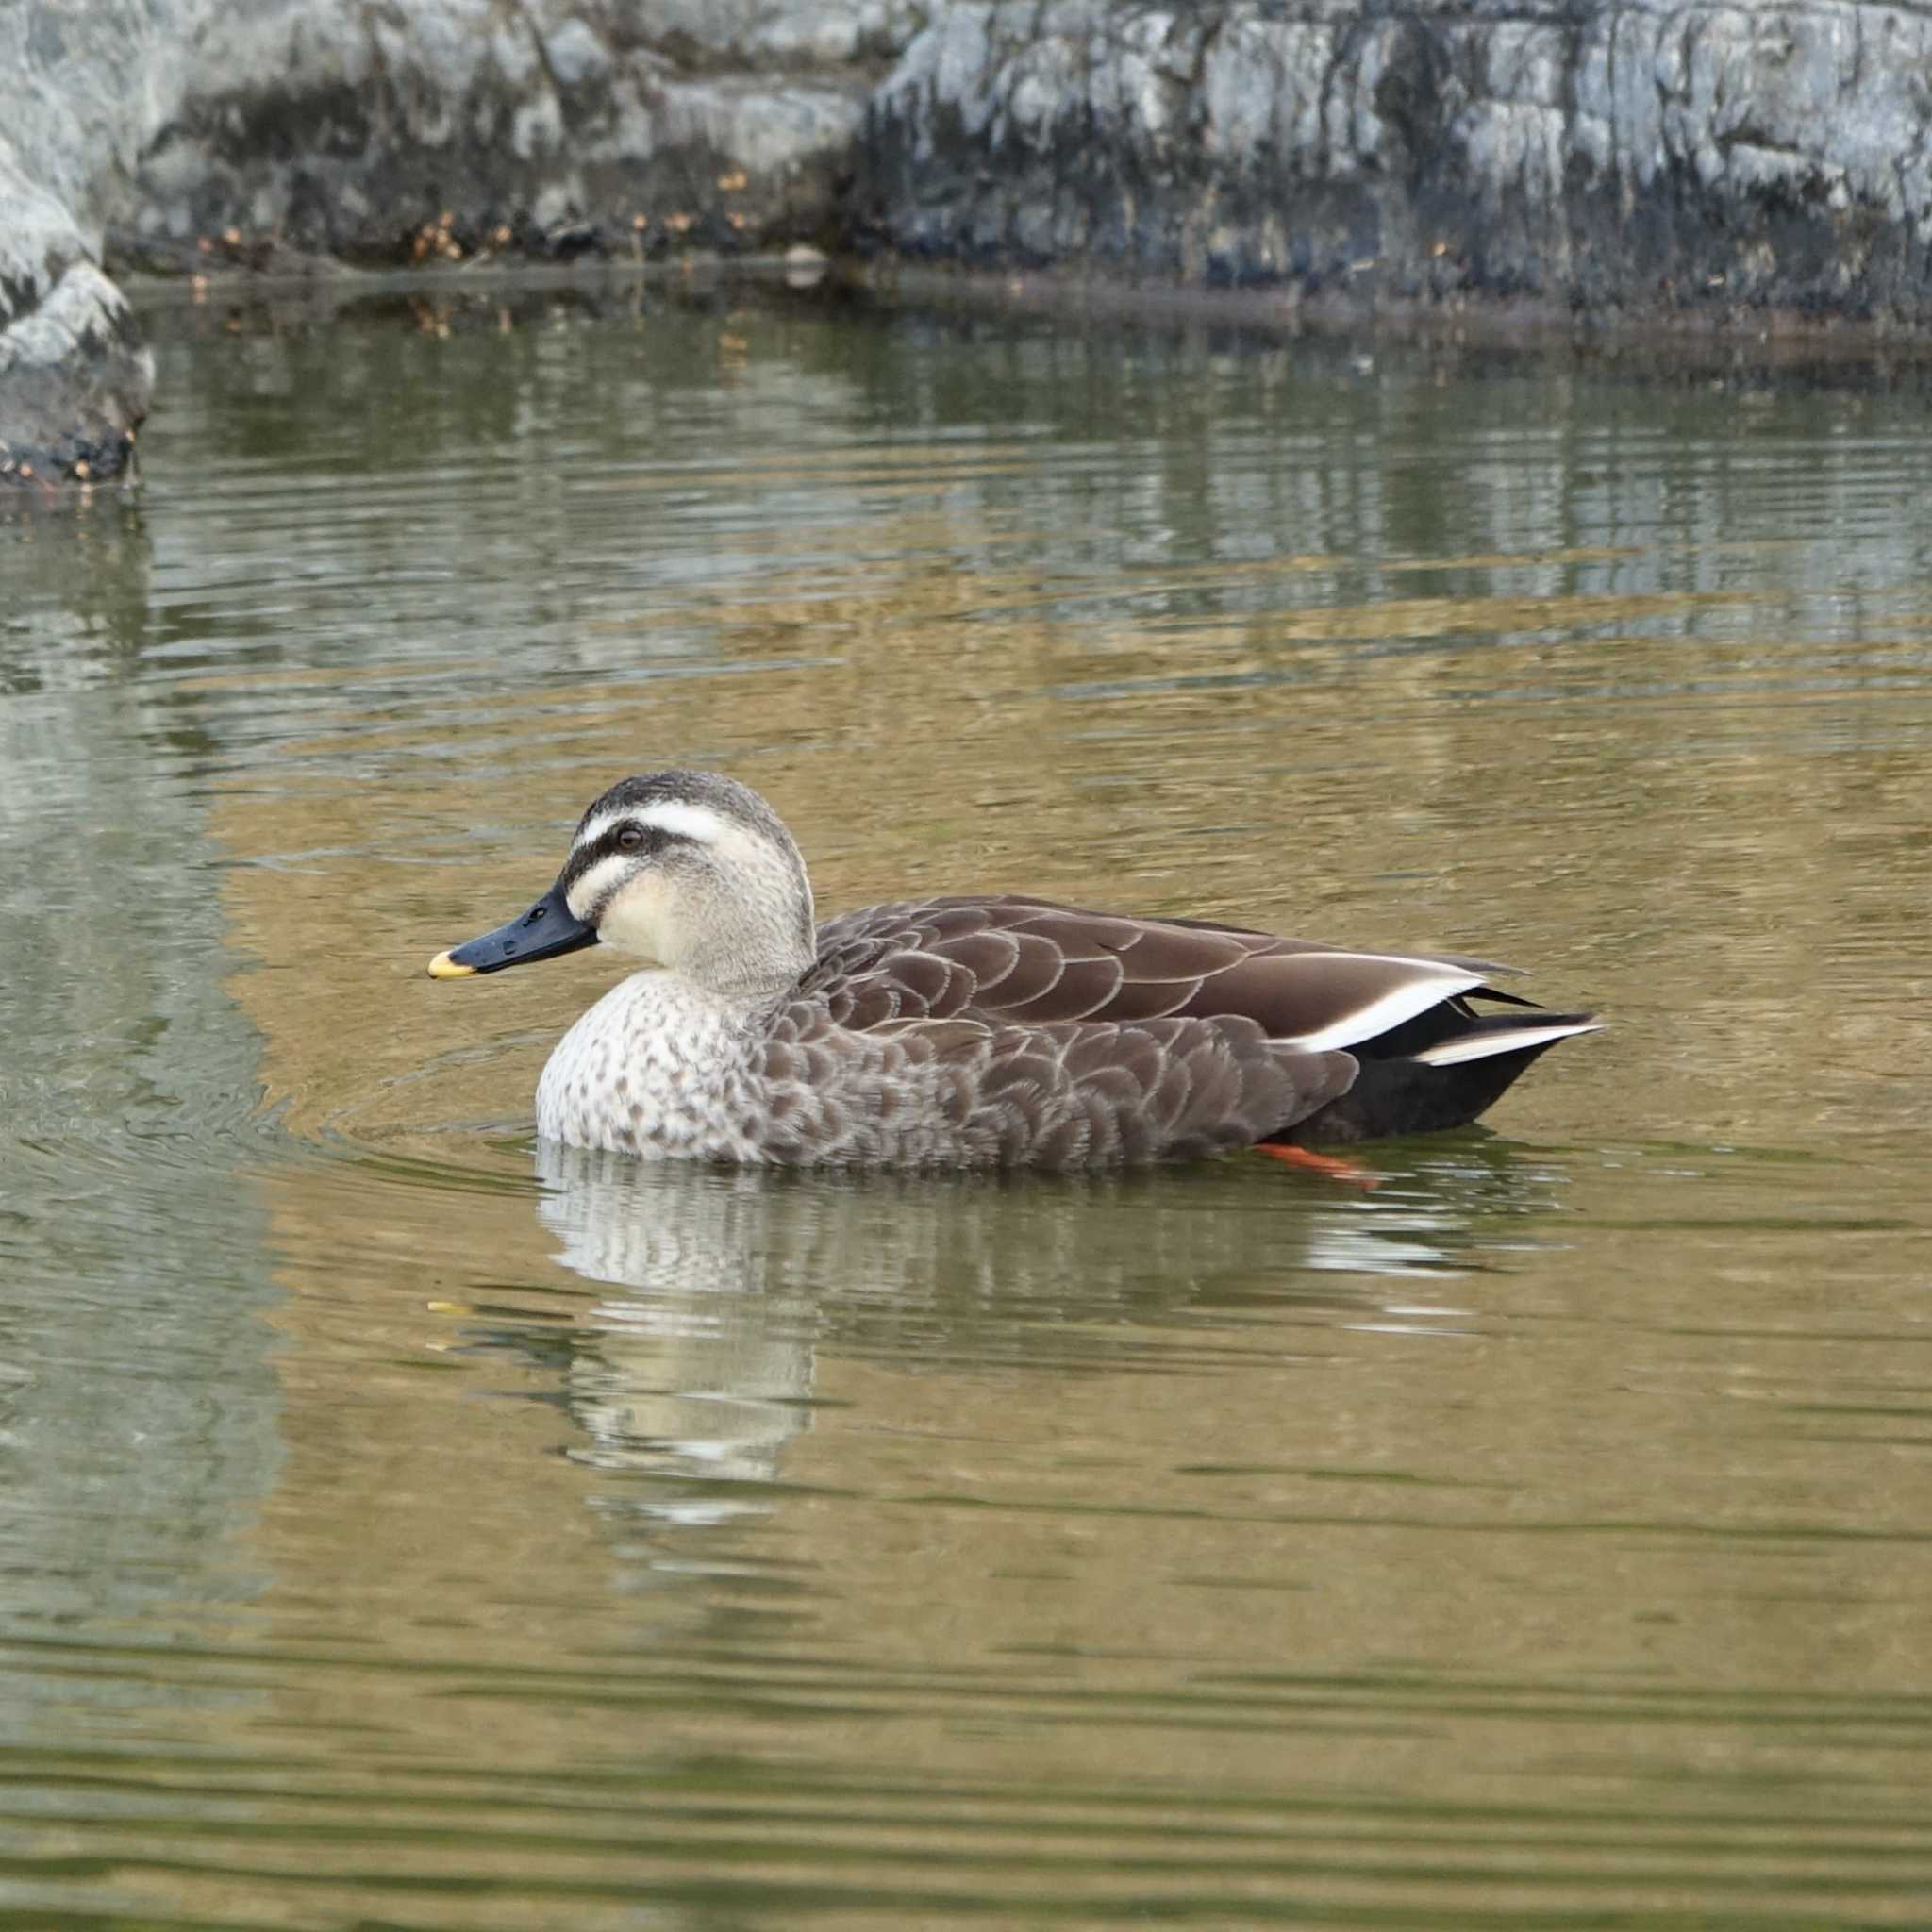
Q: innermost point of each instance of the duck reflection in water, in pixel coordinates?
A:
(699, 1365)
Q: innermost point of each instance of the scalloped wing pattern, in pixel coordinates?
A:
(1029, 962)
(961, 1091)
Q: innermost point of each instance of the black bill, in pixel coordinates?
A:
(548, 928)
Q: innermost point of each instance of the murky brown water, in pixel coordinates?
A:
(409, 1526)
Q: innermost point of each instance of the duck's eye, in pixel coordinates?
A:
(630, 838)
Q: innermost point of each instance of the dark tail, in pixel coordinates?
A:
(1457, 1077)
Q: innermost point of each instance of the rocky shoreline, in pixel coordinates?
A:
(1748, 168)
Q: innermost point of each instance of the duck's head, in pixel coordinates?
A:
(687, 871)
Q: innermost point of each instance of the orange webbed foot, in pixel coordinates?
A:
(1325, 1164)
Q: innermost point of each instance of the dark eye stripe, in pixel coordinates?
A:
(606, 847)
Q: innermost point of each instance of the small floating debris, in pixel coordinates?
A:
(805, 266)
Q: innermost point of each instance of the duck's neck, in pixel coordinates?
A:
(746, 957)
(748, 982)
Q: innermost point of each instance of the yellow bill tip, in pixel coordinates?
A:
(445, 966)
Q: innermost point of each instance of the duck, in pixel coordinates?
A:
(970, 1031)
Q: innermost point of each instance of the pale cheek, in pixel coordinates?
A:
(634, 922)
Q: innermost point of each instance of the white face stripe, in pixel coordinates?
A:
(1431, 985)
(666, 814)
(683, 821)
(597, 827)
(585, 891)
(695, 822)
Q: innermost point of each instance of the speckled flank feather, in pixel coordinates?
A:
(649, 1071)
(982, 1032)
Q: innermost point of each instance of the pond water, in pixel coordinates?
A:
(406, 1525)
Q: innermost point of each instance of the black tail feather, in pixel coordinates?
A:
(1404, 1095)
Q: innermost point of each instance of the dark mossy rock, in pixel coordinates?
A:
(1727, 164)
(74, 376)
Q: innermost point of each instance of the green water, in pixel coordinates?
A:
(407, 1525)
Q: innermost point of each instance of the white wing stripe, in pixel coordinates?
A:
(1431, 986)
(1452, 1053)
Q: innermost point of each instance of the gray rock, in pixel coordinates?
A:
(74, 379)
(1596, 157)
(199, 133)
(342, 129)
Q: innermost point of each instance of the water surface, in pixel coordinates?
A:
(410, 1525)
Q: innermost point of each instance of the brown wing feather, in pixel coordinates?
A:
(1018, 958)
(1074, 1094)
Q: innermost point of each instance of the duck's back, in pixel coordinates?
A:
(1427, 1057)
(1015, 959)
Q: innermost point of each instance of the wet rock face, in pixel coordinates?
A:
(199, 133)
(1602, 155)
(1627, 156)
(75, 378)
(549, 126)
